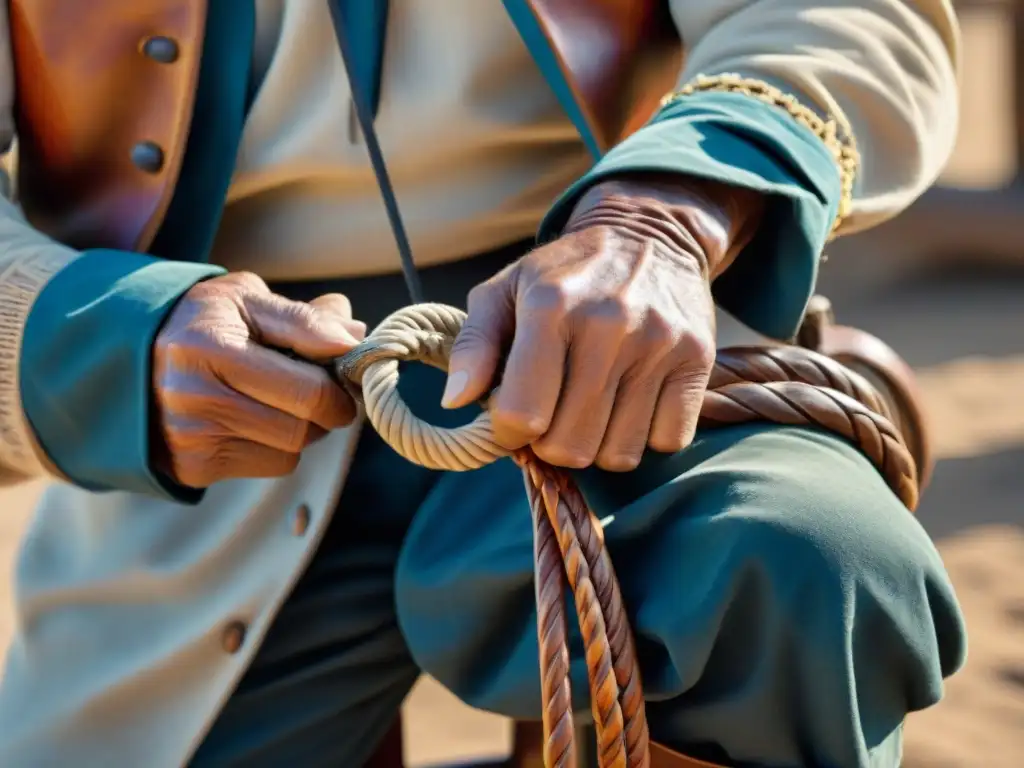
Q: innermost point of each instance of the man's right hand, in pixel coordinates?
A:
(230, 406)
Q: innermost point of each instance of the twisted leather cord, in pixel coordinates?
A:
(784, 385)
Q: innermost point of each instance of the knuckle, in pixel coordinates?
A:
(170, 425)
(349, 413)
(247, 281)
(697, 351)
(162, 366)
(668, 442)
(314, 434)
(200, 412)
(319, 322)
(224, 458)
(201, 291)
(619, 460)
(564, 454)
(547, 298)
(334, 304)
(164, 342)
(237, 457)
(479, 295)
(300, 314)
(610, 312)
(659, 332)
(516, 426)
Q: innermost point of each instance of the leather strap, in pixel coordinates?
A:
(887, 371)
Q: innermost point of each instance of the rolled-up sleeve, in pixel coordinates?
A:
(886, 70)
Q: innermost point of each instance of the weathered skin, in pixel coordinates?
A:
(228, 405)
(610, 329)
(609, 332)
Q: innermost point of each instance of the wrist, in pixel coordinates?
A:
(708, 221)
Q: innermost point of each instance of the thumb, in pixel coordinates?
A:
(313, 333)
(477, 350)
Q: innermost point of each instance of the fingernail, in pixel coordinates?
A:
(456, 385)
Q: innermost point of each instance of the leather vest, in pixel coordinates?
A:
(105, 92)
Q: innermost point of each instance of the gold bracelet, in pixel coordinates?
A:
(837, 136)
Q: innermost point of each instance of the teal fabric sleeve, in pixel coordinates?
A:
(85, 366)
(741, 141)
(85, 362)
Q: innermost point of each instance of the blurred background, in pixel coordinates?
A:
(944, 285)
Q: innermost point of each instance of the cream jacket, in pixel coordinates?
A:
(123, 601)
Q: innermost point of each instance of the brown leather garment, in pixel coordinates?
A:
(102, 113)
(618, 58)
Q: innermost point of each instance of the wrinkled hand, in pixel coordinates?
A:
(229, 406)
(609, 330)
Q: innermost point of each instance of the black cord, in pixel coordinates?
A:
(364, 113)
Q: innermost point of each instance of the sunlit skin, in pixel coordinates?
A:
(229, 406)
(606, 336)
(609, 330)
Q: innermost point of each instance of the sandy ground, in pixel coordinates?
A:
(964, 333)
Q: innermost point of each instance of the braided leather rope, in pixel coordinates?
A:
(784, 385)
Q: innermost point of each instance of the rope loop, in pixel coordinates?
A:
(422, 333)
(783, 385)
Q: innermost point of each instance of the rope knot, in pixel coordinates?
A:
(422, 333)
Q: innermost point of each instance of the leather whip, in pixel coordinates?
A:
(780, 384)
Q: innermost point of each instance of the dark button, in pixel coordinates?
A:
(233, 637)
(161, 49)
(300, 521)
(148, 157)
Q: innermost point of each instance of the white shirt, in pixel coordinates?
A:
(475, 141)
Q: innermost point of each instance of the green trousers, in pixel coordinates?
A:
(788, 610)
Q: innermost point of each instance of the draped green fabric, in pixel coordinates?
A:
(788, 610)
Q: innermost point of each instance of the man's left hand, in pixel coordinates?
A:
(608, 333)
